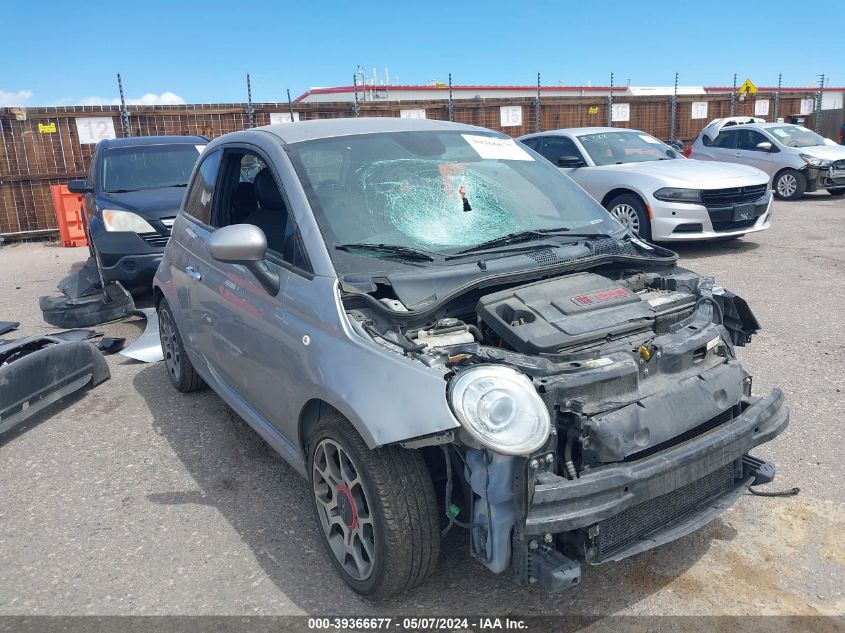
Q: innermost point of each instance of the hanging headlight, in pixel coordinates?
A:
(500, 409)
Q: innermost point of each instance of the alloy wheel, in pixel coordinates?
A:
(344, 509)
(169, 345)
(787, 185)
(627, 216)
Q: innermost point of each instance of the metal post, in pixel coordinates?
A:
(537, 106)
(777, 98)
(124, 114)
(451, 109)
(290, 106)
(674, 111)
(610, 103)
(355, 109)
(819, 102)
(733, 98)
(250, 113)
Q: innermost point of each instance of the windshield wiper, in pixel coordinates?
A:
(526, 236)
(391, 249)
(181, 184)
(120, 190)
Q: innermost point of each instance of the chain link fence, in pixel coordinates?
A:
(40, 147)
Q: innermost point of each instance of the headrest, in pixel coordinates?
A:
(267, 192)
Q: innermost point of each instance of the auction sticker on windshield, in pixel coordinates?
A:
(496, 148)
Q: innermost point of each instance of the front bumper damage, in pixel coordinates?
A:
(623, 509)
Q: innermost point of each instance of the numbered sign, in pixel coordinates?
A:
(807, 106)
(92, 130)
(510, 116)
(282, 117)
(761, 107)
(621, 112)
(699, 109)
(412, 114)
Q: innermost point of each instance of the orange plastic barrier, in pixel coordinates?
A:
(68, 208)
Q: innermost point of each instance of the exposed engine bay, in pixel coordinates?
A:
(633, 367)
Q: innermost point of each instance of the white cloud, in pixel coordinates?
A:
(18, 98)
(165, 98)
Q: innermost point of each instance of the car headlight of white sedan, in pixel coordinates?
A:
(815, 162)
(675, 194)
(500, 409)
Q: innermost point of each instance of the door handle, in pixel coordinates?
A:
(193, 273)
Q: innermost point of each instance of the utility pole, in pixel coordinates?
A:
(124, 113)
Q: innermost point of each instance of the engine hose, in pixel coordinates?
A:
(717, 309)
(774, 493)
(567, 456)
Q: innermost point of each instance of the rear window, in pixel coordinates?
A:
(142, 167)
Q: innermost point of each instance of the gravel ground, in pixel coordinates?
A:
(133, 499)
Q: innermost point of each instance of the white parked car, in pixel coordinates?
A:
(795, 158)
(652, 189)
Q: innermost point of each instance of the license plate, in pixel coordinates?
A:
(745, 212)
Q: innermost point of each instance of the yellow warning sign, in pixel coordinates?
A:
(747, 88)
(47, 128)
(593, 110)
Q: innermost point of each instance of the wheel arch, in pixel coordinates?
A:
(622, 191)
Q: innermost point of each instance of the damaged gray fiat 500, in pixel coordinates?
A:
(438, 329)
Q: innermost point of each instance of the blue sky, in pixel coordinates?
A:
(201, 51)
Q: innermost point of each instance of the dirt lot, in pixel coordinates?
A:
(133, 499)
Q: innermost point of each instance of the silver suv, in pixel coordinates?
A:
(439, 330)
(796, 159)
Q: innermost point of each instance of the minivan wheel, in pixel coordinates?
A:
(376, 509)
(631, 213)
(790, 184)
(179, 368)
(836, 191)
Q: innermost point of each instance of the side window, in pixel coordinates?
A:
(553, 147)
(201, 194)
(531, 142)
(725, 140)
(249, 194)
(749, 139)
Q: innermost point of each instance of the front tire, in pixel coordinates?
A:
(181, 372)
(630, 211)
(790, 184)
(836, 191)
(377, 511)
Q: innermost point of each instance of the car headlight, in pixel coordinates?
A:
(673, 194)
(815, 162)
(500, 409)
(125, 221)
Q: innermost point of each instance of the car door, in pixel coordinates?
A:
(244, 328)
(748, 153)
(180, 261)
(722, 148)
(555, 147)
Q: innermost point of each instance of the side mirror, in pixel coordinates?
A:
(570, 161)
(244, 244)
(79, 186)
(765, 146)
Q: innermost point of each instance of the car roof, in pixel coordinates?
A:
(575, 131)
(328, 128)
(132, 141)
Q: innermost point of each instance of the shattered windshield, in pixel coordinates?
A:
(616, 148)
(438, 191)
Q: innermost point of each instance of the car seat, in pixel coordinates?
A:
(272, 214)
